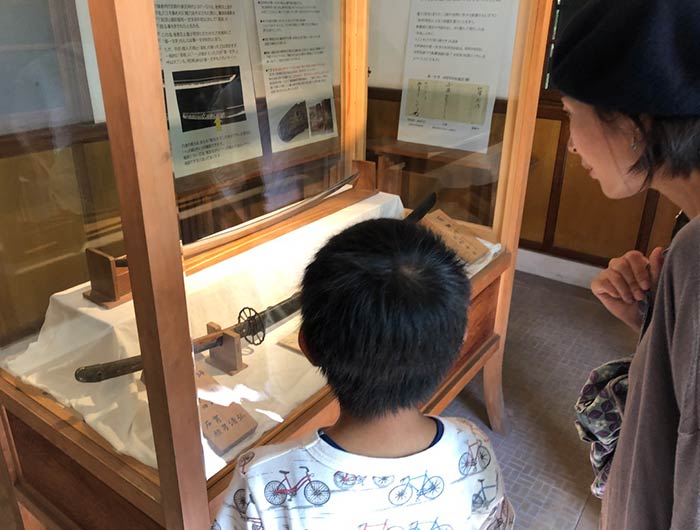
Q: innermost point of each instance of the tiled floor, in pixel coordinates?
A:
(557, 334)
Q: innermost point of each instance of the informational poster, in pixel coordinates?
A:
(296, 61)
(454, 52)
(208, 84)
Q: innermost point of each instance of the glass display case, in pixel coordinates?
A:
(168, 169)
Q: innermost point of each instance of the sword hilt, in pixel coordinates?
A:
(100, 372)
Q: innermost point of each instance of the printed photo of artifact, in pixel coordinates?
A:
(321, 117)
(209, 97)
(294, 122)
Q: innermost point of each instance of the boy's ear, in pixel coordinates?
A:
(304, 348)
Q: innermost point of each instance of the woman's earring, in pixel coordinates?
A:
(635, 142)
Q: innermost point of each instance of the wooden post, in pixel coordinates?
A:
(353, 82)
(367, 179)
(130, 72)
(10, 516)
(526, 76)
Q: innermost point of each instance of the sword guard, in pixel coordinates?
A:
(255, 326)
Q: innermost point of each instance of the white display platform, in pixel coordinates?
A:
(77, 332)
(277, 380)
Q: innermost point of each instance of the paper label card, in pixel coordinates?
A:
(454, 57)
(457, 236)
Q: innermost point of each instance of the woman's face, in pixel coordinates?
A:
(607, 149)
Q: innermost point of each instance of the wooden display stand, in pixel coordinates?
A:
(229, 356)
(69, 477)
(110, 285)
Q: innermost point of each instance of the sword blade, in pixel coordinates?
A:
(255, 225)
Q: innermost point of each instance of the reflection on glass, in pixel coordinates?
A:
(252, 101)
(437, 101)
(252, 98)
(57, 191)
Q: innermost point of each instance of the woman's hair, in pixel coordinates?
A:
(672, 143)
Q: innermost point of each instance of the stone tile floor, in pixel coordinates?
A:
(557, 334)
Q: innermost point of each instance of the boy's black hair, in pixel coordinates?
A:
(384, 312)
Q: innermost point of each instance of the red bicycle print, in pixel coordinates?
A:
(430, 488)
(245, 460)
(475, 460)
(315, 491)
(383, 526)
(345, 481)
(384, 481)
(502, 517)
(435, 526)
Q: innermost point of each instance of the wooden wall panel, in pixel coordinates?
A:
(590, 223)
(41, 236)
(481, 319)
(103, 189)
(382, 118)
(665, 218)
(539, 182)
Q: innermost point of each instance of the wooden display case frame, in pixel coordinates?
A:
(61, 472)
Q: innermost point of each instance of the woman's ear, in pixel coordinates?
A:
(304, 347)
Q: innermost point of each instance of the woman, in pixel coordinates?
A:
(629, 72)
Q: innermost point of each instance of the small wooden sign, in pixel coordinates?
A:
(228, 357)
(456, 236)
(110, 285)
(223, 426)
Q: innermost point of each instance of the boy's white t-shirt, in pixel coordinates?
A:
(308, 484)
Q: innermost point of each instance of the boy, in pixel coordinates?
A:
(384, 307)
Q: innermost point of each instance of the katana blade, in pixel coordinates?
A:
(252, 328)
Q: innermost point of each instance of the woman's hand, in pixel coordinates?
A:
(623, 284)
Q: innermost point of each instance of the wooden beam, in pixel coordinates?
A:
(526, 77)
(354, 35)
(130, 73)
(10, 517)
(557, 185)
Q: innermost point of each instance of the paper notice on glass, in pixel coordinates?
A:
(208, 84)
(296, 61)
(453, 63)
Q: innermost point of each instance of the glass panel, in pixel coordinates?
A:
(252, 94)
(59, 204)
(438, 95)
(564, 11)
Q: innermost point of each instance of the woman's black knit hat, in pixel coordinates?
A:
(632, 56)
